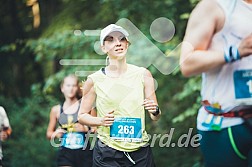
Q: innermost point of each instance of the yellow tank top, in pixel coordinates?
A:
(124, 95)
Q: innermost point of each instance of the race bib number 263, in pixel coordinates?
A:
(126, 129)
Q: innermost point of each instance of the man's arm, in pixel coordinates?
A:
(206, 19)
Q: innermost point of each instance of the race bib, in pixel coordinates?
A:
(126, 129)
(74, 140)
(243, 84)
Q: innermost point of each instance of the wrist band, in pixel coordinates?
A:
(231, 54)
(157, 111)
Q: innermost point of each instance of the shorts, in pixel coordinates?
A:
(104, 156)
(218, 151)
(75, 157)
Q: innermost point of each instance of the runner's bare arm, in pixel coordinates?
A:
(205, 20)
(150, 102)
(52, 123)
(85, 116)
(94, 114)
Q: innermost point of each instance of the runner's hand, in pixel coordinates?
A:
(93, 129)
(245, 48)
(150, 105)
(59, 132)
(108, 119)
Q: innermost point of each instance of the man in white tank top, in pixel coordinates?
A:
(218, 45)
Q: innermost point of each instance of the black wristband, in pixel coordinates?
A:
(157, 111)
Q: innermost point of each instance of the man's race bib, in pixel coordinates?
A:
(126, 129)
(243, 84)
(74, 140)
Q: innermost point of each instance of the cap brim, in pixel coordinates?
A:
(124, 32)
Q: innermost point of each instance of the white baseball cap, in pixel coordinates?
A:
(112, 28)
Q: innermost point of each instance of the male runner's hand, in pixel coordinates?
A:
(245, 48)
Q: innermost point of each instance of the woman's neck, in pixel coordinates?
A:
(70, 101)
(117, 67)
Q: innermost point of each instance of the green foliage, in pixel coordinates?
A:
(27, 145)
(191, 88)
(59, 46)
